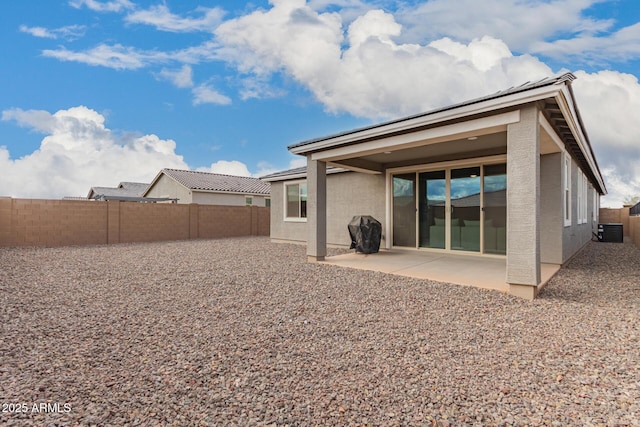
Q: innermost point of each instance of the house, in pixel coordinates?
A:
(509, 175)
(124, 191)
(209, 188)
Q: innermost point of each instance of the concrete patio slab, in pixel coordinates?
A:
(459, 269)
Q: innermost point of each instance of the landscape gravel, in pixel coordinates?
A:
(244, 331)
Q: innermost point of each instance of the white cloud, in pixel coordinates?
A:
(38, 32)
(117, 56)
(373, 76)
(518, 23)
(108, 6)
(161, 17)
(621, 45)
(70, 32)
(233, 167)
(203, 94)
(609, 102)
(182, 78)
(79, 152)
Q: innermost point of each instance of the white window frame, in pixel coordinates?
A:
(583, 206)
(567, 189)
(286, 192)
(585, 199)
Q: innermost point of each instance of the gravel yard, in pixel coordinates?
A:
(246, 332)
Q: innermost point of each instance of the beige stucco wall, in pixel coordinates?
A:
(167, 187)
(348, 194)
(551, 201)
(207, 198)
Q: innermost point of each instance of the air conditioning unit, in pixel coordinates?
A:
(610, 233)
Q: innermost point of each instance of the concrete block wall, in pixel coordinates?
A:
(28, 222)
(630, 224)
(36, 222)
(149, 222)
(616, 216)
(634, 230)
(227, 221)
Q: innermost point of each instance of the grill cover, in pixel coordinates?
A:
(365, 232)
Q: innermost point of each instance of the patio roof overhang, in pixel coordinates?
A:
(473, 129)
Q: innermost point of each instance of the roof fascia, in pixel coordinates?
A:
(490, 124)
(542, 119)
(481, 107)
(198, 190)
(153, 183)
(302, 175)
(567, 105)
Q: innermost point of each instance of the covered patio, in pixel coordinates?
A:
(459, 269)
(494, 192)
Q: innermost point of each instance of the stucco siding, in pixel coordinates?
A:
(205, 198)
(348, 194)
(168, 187)
(575, 236)
(281, 229)
(551, 211)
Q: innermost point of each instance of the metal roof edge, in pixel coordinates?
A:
(283, 176)
(423, 118)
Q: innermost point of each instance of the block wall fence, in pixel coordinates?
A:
(630, 224)
(38, 222)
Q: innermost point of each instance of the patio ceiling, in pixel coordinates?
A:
(462, 148)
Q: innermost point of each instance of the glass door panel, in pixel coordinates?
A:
(404, 210)
(495, 209)
(432, 204)
(465, 209)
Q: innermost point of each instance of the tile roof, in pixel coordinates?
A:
(207, 181)
(125, 189)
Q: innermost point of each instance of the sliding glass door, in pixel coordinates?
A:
(462, 209)
(432, 209)
(495, 209)
(465, 209)
(404, 210)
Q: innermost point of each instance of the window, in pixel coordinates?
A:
(267, 203)
(567, 190)
(585, 192)
(248, 201)
(296, 200)
(580, 196)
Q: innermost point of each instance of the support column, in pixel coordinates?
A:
(523, 204)
(316, 210)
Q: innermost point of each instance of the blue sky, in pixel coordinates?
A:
(94, 92)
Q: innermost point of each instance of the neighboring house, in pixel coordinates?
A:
(512, 174)
(124, 191)
(209, 188)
